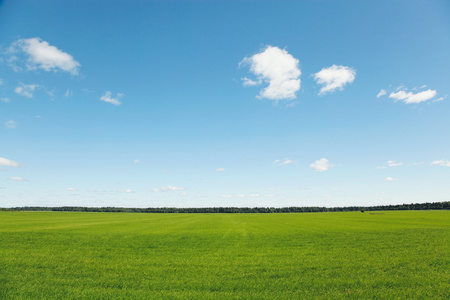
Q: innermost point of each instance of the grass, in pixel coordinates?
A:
(66, 255)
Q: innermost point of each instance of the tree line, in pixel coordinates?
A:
(292, 209)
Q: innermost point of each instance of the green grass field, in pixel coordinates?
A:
(68, 255)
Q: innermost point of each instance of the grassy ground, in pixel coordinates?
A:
(391, 255)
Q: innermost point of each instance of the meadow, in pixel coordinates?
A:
(371, 255)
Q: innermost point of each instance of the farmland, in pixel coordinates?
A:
(387, 255)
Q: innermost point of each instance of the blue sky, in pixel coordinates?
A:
(224, 103)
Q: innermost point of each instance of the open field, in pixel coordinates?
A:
(390, 255)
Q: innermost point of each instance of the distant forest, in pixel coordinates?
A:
(292, 209)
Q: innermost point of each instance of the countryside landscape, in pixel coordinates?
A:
(224, 149)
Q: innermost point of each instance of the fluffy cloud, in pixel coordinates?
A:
(320, 165)
(441, 163)
(26, 90)
(107, 97)
(41, 55)
(17, 179)
(279, 69)
(8, 163)
(410, 97)
(334, 77)
(10, 124)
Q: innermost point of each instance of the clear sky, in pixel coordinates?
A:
(224, 103)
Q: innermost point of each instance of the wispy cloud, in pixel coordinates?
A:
(389, 179)
(444, 163)
(168, 188)
(8, 163)
(71, 189)
(276, 67)
(321, 165)
(17, 179)
(283, 162)
(107, 97)
(39, 54)
(220, 170)
(26, 90)
(381, 93)
(334, 78)
(6, 100)
(10, 124)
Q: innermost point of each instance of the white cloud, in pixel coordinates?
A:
(220, 170)
(320, 165)
(410, 97)
(26, 90)
(107, 98)
(6, 100)
(392, 163)
(389, 179)
(381, 93)
(171, 188)
(249, 82)
(127, 191)
(10, 124)
(8, 163)
(17, 179)
(334, 77)
(441, 163)
(255, 195)
(71, 189)
(279, 69)
(283, 162)
(68, 93)
(438, 99)
(41, 55)
(137, 161)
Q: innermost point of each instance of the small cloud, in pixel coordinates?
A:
(17, 179)
(137, 161)
(382, 167)
(71, 189)
(171, 188)
(334, 77)
(248, 82)
(278, 69)
(107, 97)
(283, 162)
(391, 163)
(127, 191)
(8, 163)
(441, 163)
(410, 97)
(220, 170)
(68, 93)
(6, 100)
(381, 93)
(254, 195)
(10, 124)
(26, 90)
(320, 165)
(1, 81)
(439, 99)
(389, 179)
(40, 54)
